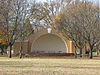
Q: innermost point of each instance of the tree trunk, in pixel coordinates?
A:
(91, 53)
(2, 51)
(80, 52)
(98, 53)
(10, 52)
(21, 47)
(75, 52)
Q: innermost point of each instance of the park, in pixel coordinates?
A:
(49, 37)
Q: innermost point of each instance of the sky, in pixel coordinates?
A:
(95, 0)
(46, 0)
(31, 1)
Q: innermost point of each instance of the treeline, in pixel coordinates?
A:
(77, 20)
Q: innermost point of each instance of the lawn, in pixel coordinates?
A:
(49, 66)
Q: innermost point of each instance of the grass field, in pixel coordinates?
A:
(49, 66)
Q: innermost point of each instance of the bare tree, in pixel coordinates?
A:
(43, 14)
(15, 14)
(22, 26)
(4, 9)
(80, 21)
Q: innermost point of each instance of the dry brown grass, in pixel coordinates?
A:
(49, 66)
